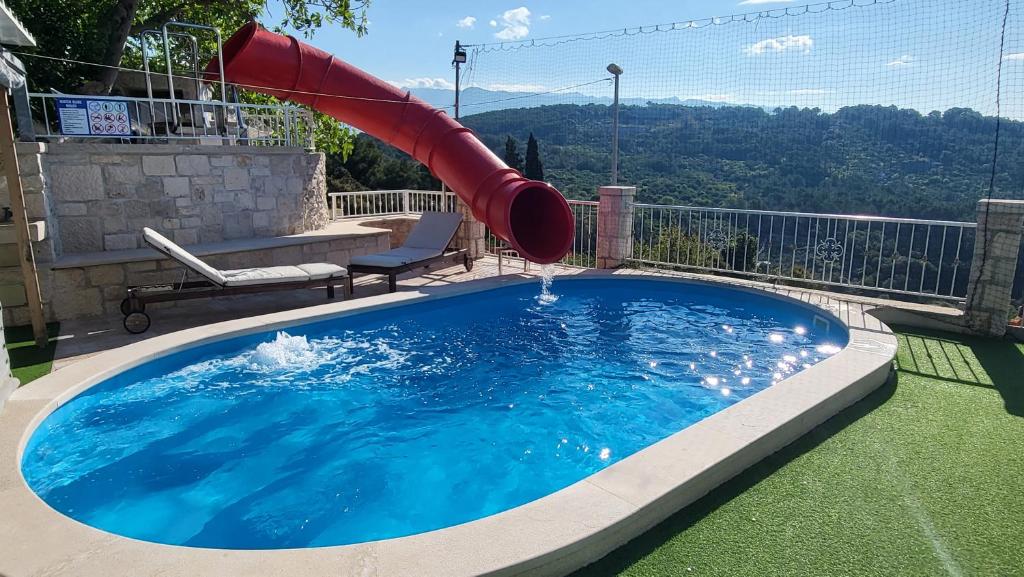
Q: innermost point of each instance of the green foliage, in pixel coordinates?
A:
(534, 168)
(307, 16)
(512, 156)
(79, 30)
(329, 135)
(860, 159)
(371, 165)
(672, 245)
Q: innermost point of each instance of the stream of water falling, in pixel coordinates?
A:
(547, 274)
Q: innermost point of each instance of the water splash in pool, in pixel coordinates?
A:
(285, 355)
(285, 351)
(547, 275)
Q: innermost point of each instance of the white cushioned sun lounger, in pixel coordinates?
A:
(426, 245)
(221, 282)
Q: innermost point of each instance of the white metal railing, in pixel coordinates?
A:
(166, 120)
(584, 245)
(388, 202)
(891, 255)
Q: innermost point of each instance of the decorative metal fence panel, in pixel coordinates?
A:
(156, 120)
(888, 255)
(370, 203)
(584, 245)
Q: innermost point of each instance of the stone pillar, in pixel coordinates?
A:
(996, 245)
(615, 226)
(471, 232)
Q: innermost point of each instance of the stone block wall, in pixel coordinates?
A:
(400, 227)
(99, 196)
(471, 234)
(615, 226)
(38, 203)
(98, 290)
(990, 288)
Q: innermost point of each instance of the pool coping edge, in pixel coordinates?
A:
(549, 536)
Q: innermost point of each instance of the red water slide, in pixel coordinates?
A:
(531, 216)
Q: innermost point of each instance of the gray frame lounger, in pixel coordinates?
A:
(426, 245)
(218, 283)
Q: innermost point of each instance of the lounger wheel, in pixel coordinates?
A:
(127, 309)
(136, 322)
(467, 262)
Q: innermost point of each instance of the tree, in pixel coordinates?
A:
(373, 165)
(512, 156)
(91, 39)
(534, 168)
(99, 31)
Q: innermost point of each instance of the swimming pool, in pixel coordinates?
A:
(414, 418)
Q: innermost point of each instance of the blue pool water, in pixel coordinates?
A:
(400, 421)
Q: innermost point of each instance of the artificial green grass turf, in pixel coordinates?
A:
(29, 362)
(923, 477)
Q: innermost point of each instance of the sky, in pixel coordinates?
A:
(923, 54)
(414, 39)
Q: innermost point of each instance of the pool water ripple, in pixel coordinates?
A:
(400, 421)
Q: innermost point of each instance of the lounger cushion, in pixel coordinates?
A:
(162, 244)
(264, 275)
(282, 274)
(396, 257)
(434, 231)
(321, 270)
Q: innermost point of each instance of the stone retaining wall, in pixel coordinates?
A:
(98, 290)
(400, 227)
(100, 196)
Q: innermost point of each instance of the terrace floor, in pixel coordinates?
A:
(79, 339)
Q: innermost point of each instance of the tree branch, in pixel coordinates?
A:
(157, 20)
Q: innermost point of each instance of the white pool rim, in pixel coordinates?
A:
(553, 535)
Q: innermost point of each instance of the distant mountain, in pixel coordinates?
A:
(479, 100)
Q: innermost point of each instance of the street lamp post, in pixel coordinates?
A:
(458, 59)
(616, 71)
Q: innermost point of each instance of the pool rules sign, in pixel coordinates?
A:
(93, 117)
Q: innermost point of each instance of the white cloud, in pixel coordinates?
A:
(755, 2)
(440, 83)
(493, 23)
(905, 60)
(501, 87)
(467, 22)
(545, 17)
(1014, 56)
(514, 23)
(803, 43)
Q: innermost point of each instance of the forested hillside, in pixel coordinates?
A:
(862, 159)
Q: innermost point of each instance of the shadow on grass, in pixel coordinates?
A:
(29, 362)
(625, 556)
(982, 362)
